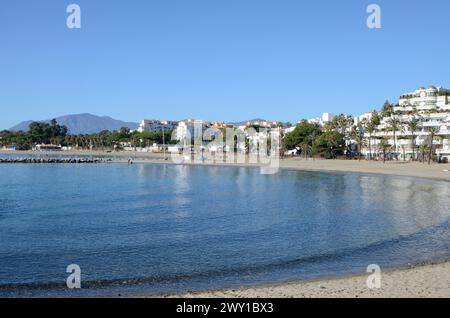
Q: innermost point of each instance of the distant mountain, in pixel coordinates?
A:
(83, 124)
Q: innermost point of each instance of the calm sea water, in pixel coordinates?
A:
(163, 228)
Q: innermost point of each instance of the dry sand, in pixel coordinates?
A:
(398, 168)
(429, 281)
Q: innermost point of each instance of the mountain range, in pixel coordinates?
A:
(82, 124)
(91, 124)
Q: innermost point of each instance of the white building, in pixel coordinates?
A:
(424, 99)
(188, 129)
(363, 117)
(288, 130)
(431, 108)
(321, 121)
(156, 125)
(327, 117)
(42, 147)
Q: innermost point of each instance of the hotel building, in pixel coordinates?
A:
(431, 108)
(155, 125)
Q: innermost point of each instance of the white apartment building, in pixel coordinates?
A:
(424, 99)
(156, 125)
(321, 121)
(431, 108)
(187, 129)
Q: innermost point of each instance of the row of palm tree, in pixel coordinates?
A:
(396, 125)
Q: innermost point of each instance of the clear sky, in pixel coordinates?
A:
(226, 60)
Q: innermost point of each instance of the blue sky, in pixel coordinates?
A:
(216, 59)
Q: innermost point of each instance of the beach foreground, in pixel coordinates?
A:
(428, 281)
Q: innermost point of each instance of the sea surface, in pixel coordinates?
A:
(150, 229)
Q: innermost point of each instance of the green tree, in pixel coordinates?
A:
(385, 147)
(371, 128)
(432, 131)
(423, 151)
(330, 144)
(343, 125)
(387, 110)
(394, 124)
(357, 134)
(303, 134)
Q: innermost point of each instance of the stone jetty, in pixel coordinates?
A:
(52, 160)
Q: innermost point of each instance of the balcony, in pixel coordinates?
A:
(426, 107)
(403, 109)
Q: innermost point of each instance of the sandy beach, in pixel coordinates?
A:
(422, 281)
(432, 281)
(395, 168)
(398, 168)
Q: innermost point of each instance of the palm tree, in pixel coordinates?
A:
(370, 128)
(394, 124)
(341, 124)
(387, 109)
(412, 125)
(423, 150)
(404, 152)
(385, 146)
(358, 135)
(433, 131)
(403, 131)
(306, 149)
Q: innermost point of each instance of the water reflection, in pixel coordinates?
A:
(223, 225)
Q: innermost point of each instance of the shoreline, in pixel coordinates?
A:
(393, 168)
(429, 280)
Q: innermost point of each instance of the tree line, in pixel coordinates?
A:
(342, 135)
(55, 134)
(310, 140)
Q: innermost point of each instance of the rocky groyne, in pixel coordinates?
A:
(55, 160)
